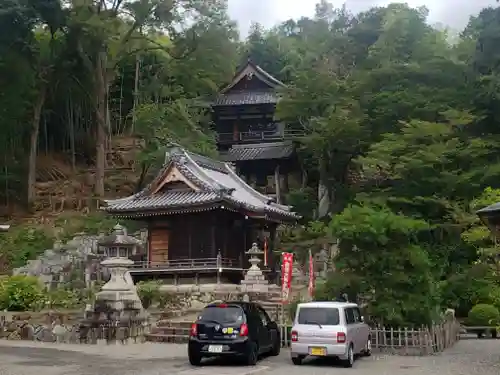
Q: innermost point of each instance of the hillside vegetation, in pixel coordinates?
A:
(401, 123)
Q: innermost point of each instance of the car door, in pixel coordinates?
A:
(267, 331)
(364, 329)
(359, 339)
(351, 328)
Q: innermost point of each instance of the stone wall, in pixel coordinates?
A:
(65, 327)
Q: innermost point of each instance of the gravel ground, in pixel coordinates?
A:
(468, 357)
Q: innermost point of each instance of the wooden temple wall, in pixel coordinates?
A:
(201, 235)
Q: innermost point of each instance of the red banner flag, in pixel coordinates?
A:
(286, 276)
(265, 251)
(311, 275)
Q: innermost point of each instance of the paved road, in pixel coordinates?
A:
(468, 357)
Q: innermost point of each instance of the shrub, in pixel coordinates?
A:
(166, 299)
(483, 315)
(63, 298)
(291, 309)
(22, 244)
(149, 292)
(21, 293)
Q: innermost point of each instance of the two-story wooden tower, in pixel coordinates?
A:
(249, 135)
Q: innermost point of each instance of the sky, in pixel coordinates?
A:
(452, 13)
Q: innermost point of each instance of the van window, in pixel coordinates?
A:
(349, 316)
(357, 315)
(318, 315)
(229, 314)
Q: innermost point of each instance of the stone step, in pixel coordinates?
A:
(170, 331)
(170, 339)
(174, 324)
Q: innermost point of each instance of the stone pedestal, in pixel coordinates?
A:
(119, 294)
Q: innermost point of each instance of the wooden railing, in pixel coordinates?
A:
(200, 263)
(254, 136)
(404, 341)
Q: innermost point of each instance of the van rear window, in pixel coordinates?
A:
(319, 315)
(226, 314)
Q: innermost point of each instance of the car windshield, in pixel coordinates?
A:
(216, 314)
(321, 316)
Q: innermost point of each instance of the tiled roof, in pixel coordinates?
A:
(276, 150)
(173, 199)
(246, 97)
(489, 209)
(216, 182)
(260, 74)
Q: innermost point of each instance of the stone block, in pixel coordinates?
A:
(60, 332)
(27, 332)
(45, 334)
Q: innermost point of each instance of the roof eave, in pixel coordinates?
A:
(158, 211)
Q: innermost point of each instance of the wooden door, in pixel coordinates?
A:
(158, 245)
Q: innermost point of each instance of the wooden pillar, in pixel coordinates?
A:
(148, 254)
(190, 226)
(277, 183)
(286, 188)
(213, 251)
(244, 247)
(236, 133)
(224, 233)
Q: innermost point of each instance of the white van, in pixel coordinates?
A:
(335, 329)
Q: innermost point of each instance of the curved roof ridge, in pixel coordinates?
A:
(206, 161)
(269, 76)
(280, 206)
(199, 172)
(125, 199)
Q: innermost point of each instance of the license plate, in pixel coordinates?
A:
(215, 348)
(318, 351)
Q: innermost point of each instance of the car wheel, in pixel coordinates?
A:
(195, 359)
(275, 351)
(297, 360)
(349, 361)
(252, 355)
(368, 348)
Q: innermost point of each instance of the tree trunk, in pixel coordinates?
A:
(35, 130)
(136, 93)
(100, 72)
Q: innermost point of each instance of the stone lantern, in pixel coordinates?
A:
(119, 295)
(119, 245)
(254, 278)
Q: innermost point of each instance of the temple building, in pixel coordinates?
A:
(249, 135)
(201, 217)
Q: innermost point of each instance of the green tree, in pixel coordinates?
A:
(380, 254)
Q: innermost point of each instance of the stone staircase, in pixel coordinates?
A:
(166, 331)
(273, 308)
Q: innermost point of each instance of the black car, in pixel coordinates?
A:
(241, 329)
